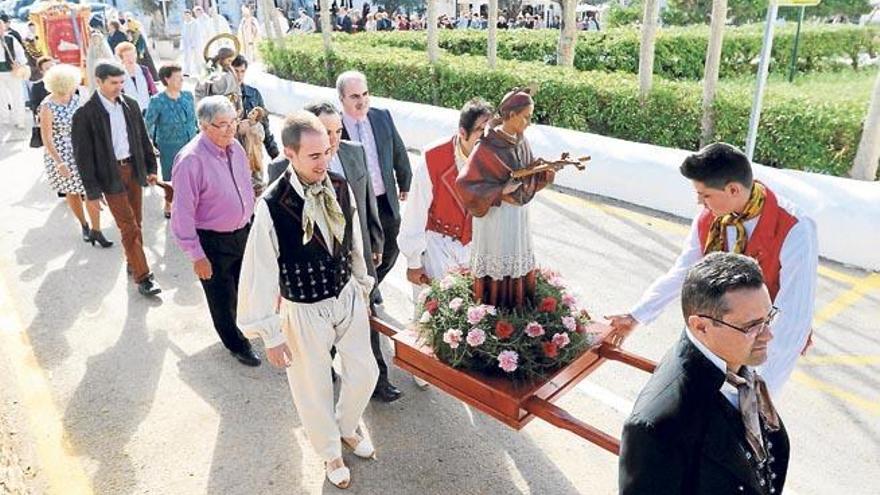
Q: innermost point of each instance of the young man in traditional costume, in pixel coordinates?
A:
(742, 215)
(303, 289)
(502, 259)
(435, 231)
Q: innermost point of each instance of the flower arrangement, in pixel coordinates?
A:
(546, 335)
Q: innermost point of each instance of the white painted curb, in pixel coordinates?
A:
(847, 212)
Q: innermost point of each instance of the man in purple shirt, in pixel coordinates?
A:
(211, 215)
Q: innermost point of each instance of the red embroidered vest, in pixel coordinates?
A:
(447, 215)
(765, 244)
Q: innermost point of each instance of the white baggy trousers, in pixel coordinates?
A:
(11, 99)
(311, 331)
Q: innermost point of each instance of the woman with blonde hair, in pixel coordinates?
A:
(139, 84)
(56, 116)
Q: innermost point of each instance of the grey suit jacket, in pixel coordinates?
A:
(354, 163)
(393, 158)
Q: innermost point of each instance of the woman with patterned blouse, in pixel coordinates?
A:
(171, 120)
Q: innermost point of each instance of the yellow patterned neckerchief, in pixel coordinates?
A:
(716, 240)
(320, 199)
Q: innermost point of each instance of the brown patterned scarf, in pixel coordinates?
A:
(754, 405)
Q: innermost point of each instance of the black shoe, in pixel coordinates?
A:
(386, 392)
(86, 232)
(97, 236)
(148, 286)
(247, 357)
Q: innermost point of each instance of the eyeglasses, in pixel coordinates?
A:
(752, 330)
(227, 125)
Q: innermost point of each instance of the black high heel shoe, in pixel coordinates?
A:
(86, 232)
(97, 236)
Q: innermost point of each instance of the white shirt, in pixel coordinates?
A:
(136, 87)
(799, 259)
(336, 165)
(258, 290)
(727, 390)
(435, 252)
(118, 127)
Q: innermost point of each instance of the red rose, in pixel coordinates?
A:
(548, 305)
(551, 350)
(503, 329)
(431, 306)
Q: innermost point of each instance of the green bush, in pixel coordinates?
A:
(680, 52)
(798, 131)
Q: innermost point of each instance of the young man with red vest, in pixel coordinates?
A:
(435, 231)
(741, 215)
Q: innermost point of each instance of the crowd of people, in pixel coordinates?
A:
(291, 242)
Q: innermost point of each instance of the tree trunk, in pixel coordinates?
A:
(865, 165)
(567, 34)
(646, 52)
(492, 42)
(710, 73)
(266, 13)
(433, 47)
(326, 26)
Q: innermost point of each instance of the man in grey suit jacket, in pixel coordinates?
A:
(387, 160)
(349, 160)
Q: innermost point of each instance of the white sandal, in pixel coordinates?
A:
(364, 448)
(339, 477)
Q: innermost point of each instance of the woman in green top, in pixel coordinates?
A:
(171, 120)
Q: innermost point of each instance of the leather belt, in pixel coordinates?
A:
(124, 161)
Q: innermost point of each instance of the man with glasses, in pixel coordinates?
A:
(742, 215)
(211, 214)
(705, 423)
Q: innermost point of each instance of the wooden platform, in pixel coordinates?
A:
(513, 403)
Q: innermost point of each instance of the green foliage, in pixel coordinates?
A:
(624, 15)
(680, 52)
(803, 130)
(685, 12)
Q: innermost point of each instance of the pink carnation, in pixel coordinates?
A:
(452, 337)
(569, 323)
(534, 329)
(561, 340)
(569, 300)
(556, 281)
(456, 303)
(507, 361)
(476, 314)
(476, 337)
(447, 282)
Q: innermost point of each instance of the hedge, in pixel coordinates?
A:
(797, 131)
(680, 51)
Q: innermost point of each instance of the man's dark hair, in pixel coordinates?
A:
(471, 113)
(115, 25)
(108, 69)
(717, 165)
(240, 61)
(168, 70)
(712, 278)
(319, 108)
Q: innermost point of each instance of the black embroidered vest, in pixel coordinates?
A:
(308, 273)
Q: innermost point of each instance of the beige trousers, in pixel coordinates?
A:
(312, 330)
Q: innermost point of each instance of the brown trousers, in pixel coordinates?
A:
(127, 212)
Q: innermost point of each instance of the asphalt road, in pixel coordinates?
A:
(111, 393)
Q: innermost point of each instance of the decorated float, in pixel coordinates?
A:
(62, 30)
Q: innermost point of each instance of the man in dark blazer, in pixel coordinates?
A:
(349, 160)
(704, 423)
(387, 159)
(115, 159)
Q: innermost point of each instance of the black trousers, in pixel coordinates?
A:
(390, 228)
(225, 251)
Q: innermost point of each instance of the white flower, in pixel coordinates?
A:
(569, 323)
(423, 295)
(476, 314)
(426, 317)
(452, 337)
(456, 303)
(490, 309)
(446, 282)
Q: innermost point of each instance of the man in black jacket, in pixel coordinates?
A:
(250, 98)
(115, 159)
(704, 423)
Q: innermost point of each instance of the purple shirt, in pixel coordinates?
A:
(212, 191)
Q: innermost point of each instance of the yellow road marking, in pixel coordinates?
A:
(839, 360)
(847, 299)
(63, 470)
(870, 406)
(676, 228)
